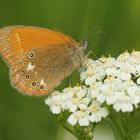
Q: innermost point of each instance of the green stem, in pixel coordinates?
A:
(93, 127)
(81, 133)
(68, 128)
(121, 125)
(117, 134)
(116, 124)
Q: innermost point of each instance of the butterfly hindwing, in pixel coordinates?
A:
(40, 70)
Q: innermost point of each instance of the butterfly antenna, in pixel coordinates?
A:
(85, 38)
(92, 31)
(91, 52)
(84, 42)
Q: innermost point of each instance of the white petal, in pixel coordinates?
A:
(70, 94)
(95, 117)
(81, 93)
(84, 121)
(56, 109)
(104, 112)
(72, 120)
(72, 107)
(138, 68)
(111, 100)
(82, 106)
(101, 98)
(104, 88)
(125, 76)
(138, 81)
(127, 108)
(110, 71)
(131, 90)
(117, 107)
(48, 101)
(136, 100)
(90, 80)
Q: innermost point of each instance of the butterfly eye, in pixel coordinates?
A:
(31, 54)
(33, 83)
(27, 77)
(41, 87)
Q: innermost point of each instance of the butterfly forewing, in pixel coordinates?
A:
(14, 40)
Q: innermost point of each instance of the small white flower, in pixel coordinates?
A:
(55, 102)
(135, 57)
(125, 76)
(93, 71)
(111, 71)
(134, 92)
(97, 112)
(109, 62)
(79, 117)
(75, 97)
(123, 103)
(105, 93)
(123, 57)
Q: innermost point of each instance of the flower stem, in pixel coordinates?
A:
(62, 119)
(121, 125)
(81, 133)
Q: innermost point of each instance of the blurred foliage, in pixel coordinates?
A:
(23, 117)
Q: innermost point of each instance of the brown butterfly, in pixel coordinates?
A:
(38, 58)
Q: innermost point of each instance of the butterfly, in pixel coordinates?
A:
(39, 58)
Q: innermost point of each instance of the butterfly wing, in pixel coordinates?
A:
(15, 40)
(39, 59)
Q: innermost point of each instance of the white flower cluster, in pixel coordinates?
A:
(107, 81)
(113, 81)
(83, 108)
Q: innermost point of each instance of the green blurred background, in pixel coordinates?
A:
(23, 117)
